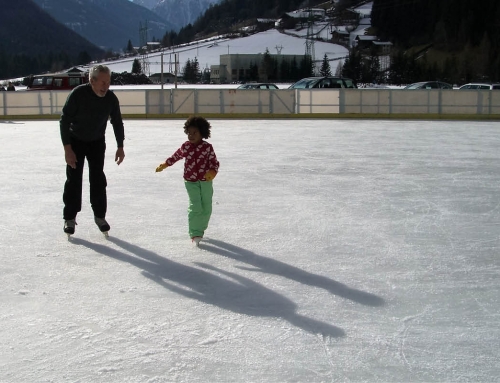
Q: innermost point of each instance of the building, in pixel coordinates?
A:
(364, 41)
(340, 35)
(237, 67)
(317, 13)
(168, 78)
(383, 49)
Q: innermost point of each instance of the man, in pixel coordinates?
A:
(83, 125)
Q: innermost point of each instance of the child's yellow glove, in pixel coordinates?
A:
(210, 175)
(161, 167)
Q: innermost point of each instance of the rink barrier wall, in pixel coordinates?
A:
(282, 103)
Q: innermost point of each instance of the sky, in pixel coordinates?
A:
(338, 251)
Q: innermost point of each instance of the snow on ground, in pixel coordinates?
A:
(318, 30)
(364, 10)
(338, 250)
(208, 52)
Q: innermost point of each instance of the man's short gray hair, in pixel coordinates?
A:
(97, 69)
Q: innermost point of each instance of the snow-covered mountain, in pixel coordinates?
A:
(177, 12)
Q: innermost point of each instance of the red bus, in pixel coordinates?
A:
(57, 81)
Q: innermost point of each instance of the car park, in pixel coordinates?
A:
(323, 82)
(257, 86)
(429, 85)
(480, 86)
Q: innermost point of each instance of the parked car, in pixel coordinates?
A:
(58, 81)
(429, 85)
(480, 85)
(258, 86)
(323, 82)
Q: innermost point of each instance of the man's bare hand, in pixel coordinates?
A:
(119, 156)
(70, 156)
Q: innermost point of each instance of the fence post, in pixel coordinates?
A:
(342, 101)
(4, 100)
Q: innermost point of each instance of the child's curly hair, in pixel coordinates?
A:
(198, 122)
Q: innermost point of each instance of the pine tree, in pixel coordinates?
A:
(205, 76)
(130, 47)
(187, 70)
(325, 70)
(267, 67)
(284, 71)
(254, 72)
(372, 72)
(192, 71)
(136, 67)
(294, 70)
(338, 71)
(353, 66)
(306, 67)
(195, 70)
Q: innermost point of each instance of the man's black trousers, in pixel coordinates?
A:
(94, 152)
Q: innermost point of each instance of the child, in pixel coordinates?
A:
(200, 168)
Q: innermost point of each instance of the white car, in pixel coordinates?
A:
(480, 85)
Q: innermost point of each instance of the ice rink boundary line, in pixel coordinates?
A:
(302, 116)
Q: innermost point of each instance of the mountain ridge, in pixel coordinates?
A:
(45, 45)
(108, 24)
(179, 13)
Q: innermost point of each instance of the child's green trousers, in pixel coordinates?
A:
(200, 206)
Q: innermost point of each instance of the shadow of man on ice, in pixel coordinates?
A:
(271, 266)
(235, 292)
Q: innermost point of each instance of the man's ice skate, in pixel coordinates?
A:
(196, 241)
(103, 225)
(69, 227)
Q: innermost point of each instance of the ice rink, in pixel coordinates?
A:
(338, 251)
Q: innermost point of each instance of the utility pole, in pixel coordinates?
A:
(310, 39)
(279, 49)
(176, 58)
(161, 75)
(143, 41)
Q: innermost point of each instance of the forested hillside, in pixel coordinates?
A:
(32, 42)
(449, 24)
(456, 40)
(181, 12)
(223, 17)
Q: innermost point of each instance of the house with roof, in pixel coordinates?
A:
(364, 41)
(168, 78)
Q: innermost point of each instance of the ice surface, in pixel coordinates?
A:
(338, 250)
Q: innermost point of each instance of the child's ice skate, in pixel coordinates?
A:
(196, 241)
